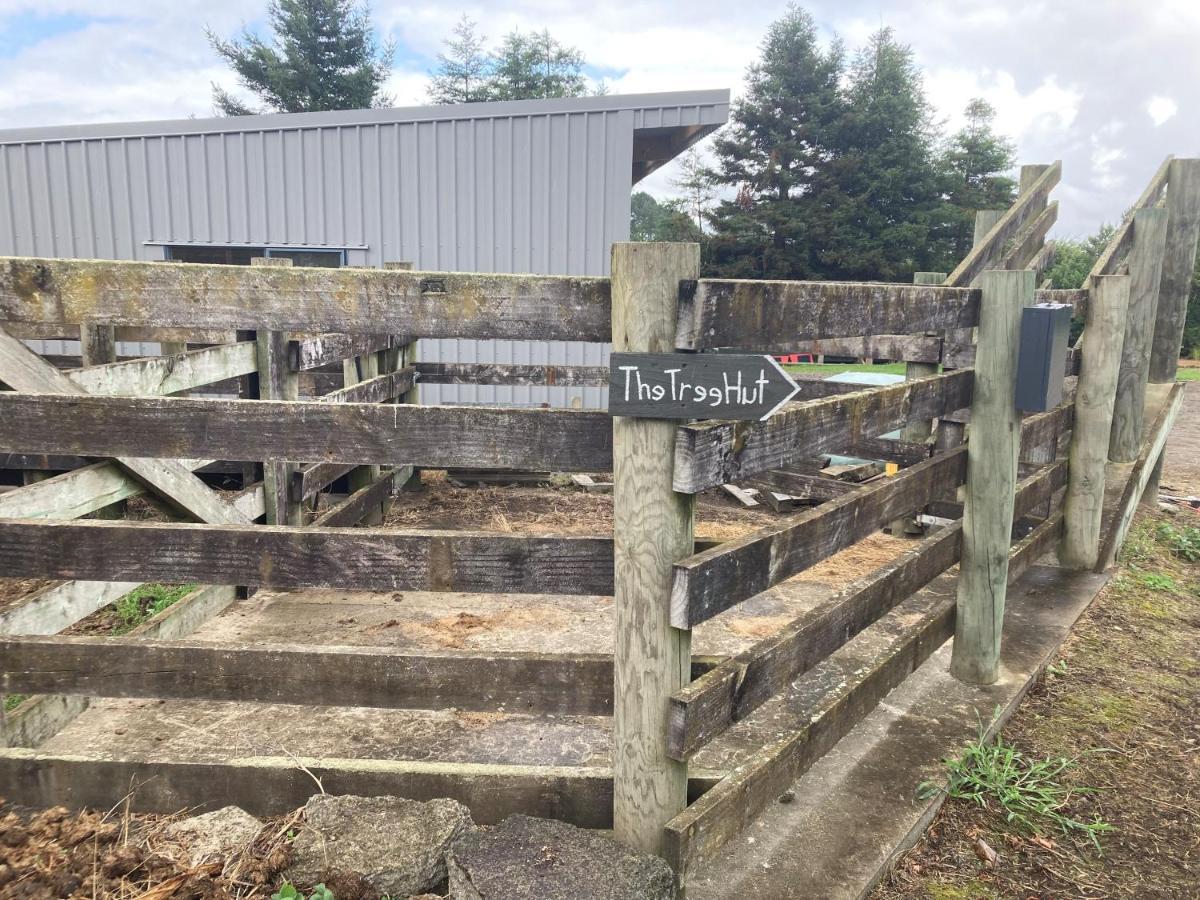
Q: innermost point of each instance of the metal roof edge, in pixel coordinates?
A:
(385, 116)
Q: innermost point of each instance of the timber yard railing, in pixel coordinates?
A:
(119, 430)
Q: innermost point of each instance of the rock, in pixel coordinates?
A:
(399, 846)
(524, 858)
(215, 834)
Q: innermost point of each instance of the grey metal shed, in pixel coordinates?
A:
(525, 186)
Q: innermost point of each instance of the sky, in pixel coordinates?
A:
(1108, 86)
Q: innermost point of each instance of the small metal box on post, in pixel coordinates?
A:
(1042, 362)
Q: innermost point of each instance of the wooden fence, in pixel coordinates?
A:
(120, 429)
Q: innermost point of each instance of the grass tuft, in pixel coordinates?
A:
(146, 602)
(1028, 793)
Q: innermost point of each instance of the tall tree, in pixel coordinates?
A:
(651, 220)
(974, 163)
(695, 182)
(323, 55)
(1073, 259)
(782, 133)
(535, 66)
(464, 68)
(882, 189)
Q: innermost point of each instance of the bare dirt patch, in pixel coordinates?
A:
(548, 510)
(453, 632)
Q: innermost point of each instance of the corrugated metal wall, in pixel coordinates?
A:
(484, 187)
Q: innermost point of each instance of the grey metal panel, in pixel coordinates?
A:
(526, 186)
(713, 104)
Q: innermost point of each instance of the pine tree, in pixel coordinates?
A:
(780, 136)
(536, 66)
(882, 190)
(464, 69)
(974, 164)
(324, 56)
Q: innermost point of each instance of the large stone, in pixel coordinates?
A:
(399, 846)
(524, 858)
(215, 834)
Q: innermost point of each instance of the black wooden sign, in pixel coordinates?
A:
(697, 386)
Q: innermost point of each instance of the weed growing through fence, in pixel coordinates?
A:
(147, 602)
(1029, 793)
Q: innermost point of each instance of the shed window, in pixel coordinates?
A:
(241, 256)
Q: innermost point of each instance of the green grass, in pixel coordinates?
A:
(838, 368)
(147, 602)
(1028, 793)
(1191, 373)
(12, 701)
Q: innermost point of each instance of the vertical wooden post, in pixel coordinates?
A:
(652, 529)
(98, 347)
(1179, 260)
(1030, 173)
(365, 367)
(917, 431)
(950, 434)
(1145, 270)
(404, 348)
(1047, 452)
(995, 441)
(1108, 302)
(277, 381)
(97, 344)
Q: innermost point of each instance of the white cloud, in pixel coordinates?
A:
(1044, 66)
(1161, 109)
(1047, 107)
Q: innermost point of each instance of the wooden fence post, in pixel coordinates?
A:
(1095, 396)
(950, 434)
(652, 529)
(277, 381)
(1145, 270)
(97, 347)
(97, 344)
(404, 353)
(363, 368)
(992, 449)
(917, 431)
(1179, 260)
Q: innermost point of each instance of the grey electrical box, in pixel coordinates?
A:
(1042, 364)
